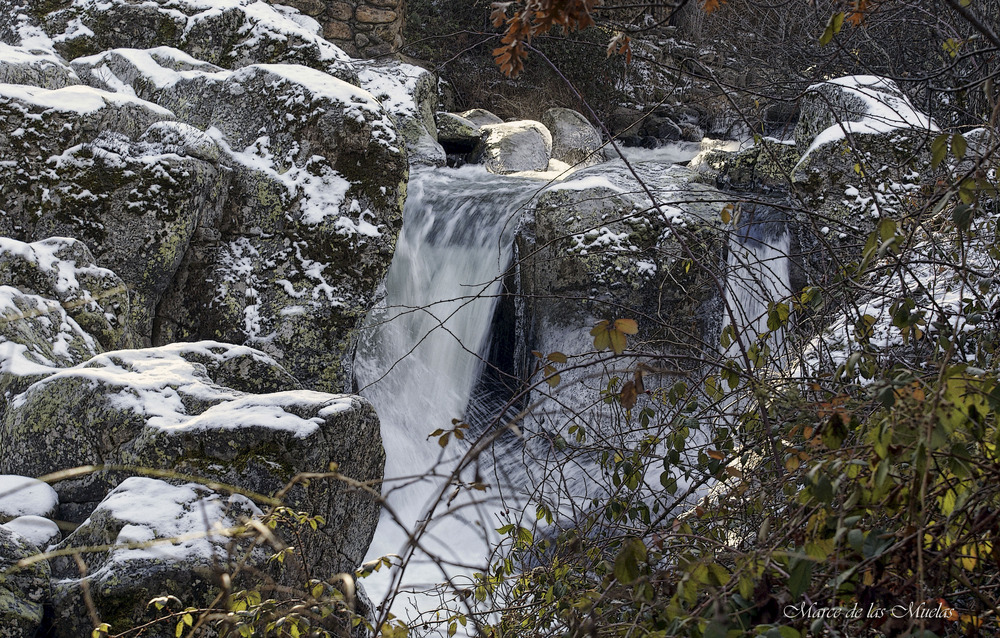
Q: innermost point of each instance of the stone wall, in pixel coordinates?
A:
(362, 28)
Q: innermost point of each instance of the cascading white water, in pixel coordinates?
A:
(421, 354)
(758, 274)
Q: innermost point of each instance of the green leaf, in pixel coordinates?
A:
(958, 146)
(833, 26)
(799, 576)
(950, 47)
(525, 536)
(557, 357)
(632, 553)
(668, 482)
(716, 629)
(939, 150)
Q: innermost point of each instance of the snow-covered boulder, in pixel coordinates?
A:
(574, 139)
(512, 147)
(456, 133)
(79, 170)
(231, 34)
(165, 540)
(480, 117)
(409, 93)
(593, 247)
(852, 106)
(864, 148)
(24, 496)
(37, 67)
(287, 205)
(37, 530)
(167, 408)
(23, 591)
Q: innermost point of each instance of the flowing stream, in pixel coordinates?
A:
(422, 352)
(758, 274)
(420, 357)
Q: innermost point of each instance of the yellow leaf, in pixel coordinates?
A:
(727, 213)
(618, 341)
(628, 326)
(602, 341)
(602, 326)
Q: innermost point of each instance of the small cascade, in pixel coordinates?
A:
(423, 350)
(758, 275)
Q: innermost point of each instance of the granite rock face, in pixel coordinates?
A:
(23, 591)
(512, 147)
(287, 205)
(164, 540)
(232, 35)
(574, 139)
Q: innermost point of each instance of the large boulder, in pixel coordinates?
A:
(27, 507)
(167, 408)
(480, 117)
(23, 590)
(864, 148)
(158, 539)
(574, 140)
(287, 205)
(81, 171)
(513, 147)
(307, 230)
(456, 133)
(410, 94)
(854, 105)
(233, 35)
(595, 249)
(24, 496)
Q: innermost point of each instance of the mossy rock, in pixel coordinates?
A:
(234, 36)
(23, 590)
(122, 580)
(165, 408)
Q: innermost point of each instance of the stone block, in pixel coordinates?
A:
(375, 16)
(337, 31)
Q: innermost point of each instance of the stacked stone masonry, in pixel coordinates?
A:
(362, 28)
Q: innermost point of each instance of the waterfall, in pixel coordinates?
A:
(421, 354)
(421, 357)
(758, 274)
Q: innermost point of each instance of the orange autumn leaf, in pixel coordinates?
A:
(708, 6)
